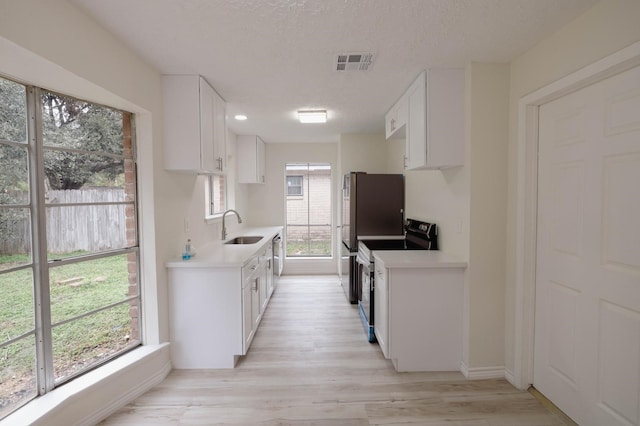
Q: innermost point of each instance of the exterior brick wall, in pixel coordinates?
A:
(131, 225)
(313, 207)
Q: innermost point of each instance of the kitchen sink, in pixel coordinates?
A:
(247, 239)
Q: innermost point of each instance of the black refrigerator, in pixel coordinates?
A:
(372, 205)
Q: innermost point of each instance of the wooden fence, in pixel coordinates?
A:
(72, 228)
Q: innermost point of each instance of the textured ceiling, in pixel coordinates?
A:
(268, 58)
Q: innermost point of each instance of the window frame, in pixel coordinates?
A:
(210, 196)
(41, 263)
(307, 169)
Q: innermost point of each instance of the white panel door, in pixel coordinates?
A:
(587, 324)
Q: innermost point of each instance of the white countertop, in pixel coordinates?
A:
(217, 254)
(418, 259)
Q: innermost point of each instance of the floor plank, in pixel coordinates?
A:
(311, 364)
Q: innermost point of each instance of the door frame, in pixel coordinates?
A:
(527, 194)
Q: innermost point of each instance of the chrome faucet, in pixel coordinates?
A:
(224, 228)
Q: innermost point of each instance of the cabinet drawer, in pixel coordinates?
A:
(250, 268)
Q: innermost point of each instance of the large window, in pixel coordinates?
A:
(69, 290)
(308, 203)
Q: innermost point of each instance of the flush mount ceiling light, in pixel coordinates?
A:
(312, 116)
(240, 117)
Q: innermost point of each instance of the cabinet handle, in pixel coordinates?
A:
(393, 124)
(254, 287)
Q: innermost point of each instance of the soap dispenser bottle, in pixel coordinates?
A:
(186, 254)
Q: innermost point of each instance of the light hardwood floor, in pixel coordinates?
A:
(311, 364)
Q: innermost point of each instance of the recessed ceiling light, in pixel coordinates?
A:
(240, 117)
(312, 116)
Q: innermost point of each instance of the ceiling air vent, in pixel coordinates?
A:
(353, 61)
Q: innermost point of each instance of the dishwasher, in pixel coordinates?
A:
(278, 257)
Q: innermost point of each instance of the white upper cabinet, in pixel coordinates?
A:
(396, 119)
(194, 125)
(251, 159)
(434, 120)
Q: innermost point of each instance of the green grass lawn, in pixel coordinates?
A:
(75, 289)
(313, 248)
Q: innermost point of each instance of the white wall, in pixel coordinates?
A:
(362, 153)
(604, 29)
(487, 109)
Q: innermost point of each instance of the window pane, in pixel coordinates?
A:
(14, 175)
(16, 304)
(15, 245)
(77, 124)
(17, 374)
(308, 214)
(76, 230)
(78, 288)
(81, 344)
(218, 194)
(294, 185)
(66, 170)
(13, 111)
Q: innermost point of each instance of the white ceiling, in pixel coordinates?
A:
(269, 58)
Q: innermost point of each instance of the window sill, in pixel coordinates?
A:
(213, 219)
(94, 396)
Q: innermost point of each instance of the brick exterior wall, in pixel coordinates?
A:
(313, 207)
(131, 225)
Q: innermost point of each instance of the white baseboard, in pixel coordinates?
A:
(508, 374)
(482, 373)
(302, 266)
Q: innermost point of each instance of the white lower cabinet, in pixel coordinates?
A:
(381, 308)
(418, 316)
(215, 311)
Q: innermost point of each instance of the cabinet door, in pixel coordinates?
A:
(381, 309)
(269, 271)
(263, 285)
(219, 134)
(251, 159)
(255, 301)
(207, 127)
(182, 150)
(247, 319)
(396, 119)
(416, 141)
